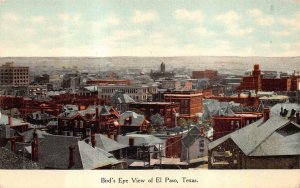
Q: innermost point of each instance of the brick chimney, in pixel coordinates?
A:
(97, 113)
(34, 147)
(9, 120)
(266, 114)
(115, 137)
(298, 117)
(131, 141)
(93, 140)
(13, 145)
(71, 157)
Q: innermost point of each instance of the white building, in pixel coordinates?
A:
(136, 92)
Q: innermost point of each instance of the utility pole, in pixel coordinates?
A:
(160, 159)
(188, 149)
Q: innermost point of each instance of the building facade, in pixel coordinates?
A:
(136, 92)
(14, 75)
(165, 109)
(190, 103)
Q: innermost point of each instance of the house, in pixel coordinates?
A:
(94, 119)
(109, 145)
(142, 147)
(120, 101)
(65, 152)
(131, 122)
(40, 118)
(194, 144)
(272, 142)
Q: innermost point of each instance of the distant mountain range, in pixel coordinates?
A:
(226, 64)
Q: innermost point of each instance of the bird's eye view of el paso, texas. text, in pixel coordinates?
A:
(173, 84)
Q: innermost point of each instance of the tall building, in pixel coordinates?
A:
(14, 75)
(190, 103)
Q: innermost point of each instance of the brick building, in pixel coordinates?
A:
(165, 109)
(95, 119)
(252, 82)
(14, 75)
(257, 82)
(190, 103)
(212, 75)
(225, 124)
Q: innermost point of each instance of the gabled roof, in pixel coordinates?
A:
(190, 137)
(54, 153)
(93, 158)
(28, 135)
(276, 109)
(4, 120)
(121, 98)
(104, 111)
(137, 119)
(279, 144)
(140, 139)
(107, 144)
(261, 136)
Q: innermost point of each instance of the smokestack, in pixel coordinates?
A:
(71, 157)
(13, 145)
(93, 140)
(34, 147)
(266, 113)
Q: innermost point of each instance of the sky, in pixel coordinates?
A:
(103, 28)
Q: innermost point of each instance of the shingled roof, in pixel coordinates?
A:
(107, 144)
(260, 138)
(137, 119)
(54, 153)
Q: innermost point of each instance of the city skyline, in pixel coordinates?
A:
(149, 28)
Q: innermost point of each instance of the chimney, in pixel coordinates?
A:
(34, 147)
(97, 113)
(130, 120)
(71, 157)
(115, 137)
(9, 120)
(298, 117)
(93, 140)
(131, 141)
(13, 145)
(266, 113)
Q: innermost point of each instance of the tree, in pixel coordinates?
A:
(157, 120)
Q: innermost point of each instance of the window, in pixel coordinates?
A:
(75, 124)
(81, 124)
